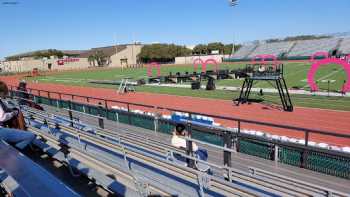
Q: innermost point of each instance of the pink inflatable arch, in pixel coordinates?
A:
(270, 56)
(152, 65)
(317, 54)
(196, 62)
(213, 61)
(254, 59)
(317, 64)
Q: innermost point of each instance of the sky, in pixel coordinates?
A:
(82, 24)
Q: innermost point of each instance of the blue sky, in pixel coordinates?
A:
(82, 24)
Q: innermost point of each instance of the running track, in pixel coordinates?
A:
(328, 120)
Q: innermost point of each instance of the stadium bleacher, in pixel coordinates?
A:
(149, 162)
(276, 49)
(22, 177)
(309, 47)
(345, 46)
(144, 166)
(244, 51)
(301, 49)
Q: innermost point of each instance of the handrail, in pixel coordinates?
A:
(246, 174)
(242, 135)
(306, 131)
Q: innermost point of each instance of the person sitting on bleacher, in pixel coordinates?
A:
(178, 141)
(8, 120)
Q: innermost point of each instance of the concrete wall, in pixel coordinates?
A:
(130, 53)
(28, 65)
(190, 59)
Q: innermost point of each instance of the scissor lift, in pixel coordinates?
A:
(266, 72)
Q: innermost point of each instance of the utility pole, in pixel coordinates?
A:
(116, 49)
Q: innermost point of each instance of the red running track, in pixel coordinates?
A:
(327, 120)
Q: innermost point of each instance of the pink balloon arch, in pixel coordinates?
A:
(212, 61)
(316, 65)
(199, 61)
(318, 54)
(150, 68)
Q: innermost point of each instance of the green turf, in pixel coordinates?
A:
(295, 75)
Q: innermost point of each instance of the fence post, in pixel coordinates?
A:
(305, 152)
(156, 123)
(117, 116)
(100, 119)
(189, 146)
(49, 97)
(276, 158)
(11, 92)
(129, 118)
(156, 119)
(236, 144)
(106, 106)
(35, 99)
(227, 144)
(70, 113)
(59, 104)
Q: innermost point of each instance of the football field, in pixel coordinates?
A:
(330, 77)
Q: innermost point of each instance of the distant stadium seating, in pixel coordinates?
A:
(345, 46)
(276, 48)
(244, 51)
(309, 47)
(302, 49)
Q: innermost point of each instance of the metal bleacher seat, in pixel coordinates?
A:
(132, 165)
(276, 49)
(309, 47)
(142, 161)
(23, 177)
(244, 51)
(345, 46)
(150, 164)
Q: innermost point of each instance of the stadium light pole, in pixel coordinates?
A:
(116, 51)
(233, 3)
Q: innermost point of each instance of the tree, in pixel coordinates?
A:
(48, 54)
(100, 58)
(228, 49)
(162, 52)
(200, 49)
(215, 46)
(91, 60)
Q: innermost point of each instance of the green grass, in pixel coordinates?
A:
(295, 75)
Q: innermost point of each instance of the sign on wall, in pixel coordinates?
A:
(67, 60)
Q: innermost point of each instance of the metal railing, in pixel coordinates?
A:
(231, 140)
(262, 179)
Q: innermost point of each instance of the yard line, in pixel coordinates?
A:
(325, 76)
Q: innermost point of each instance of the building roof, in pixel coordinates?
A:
(108, 51)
